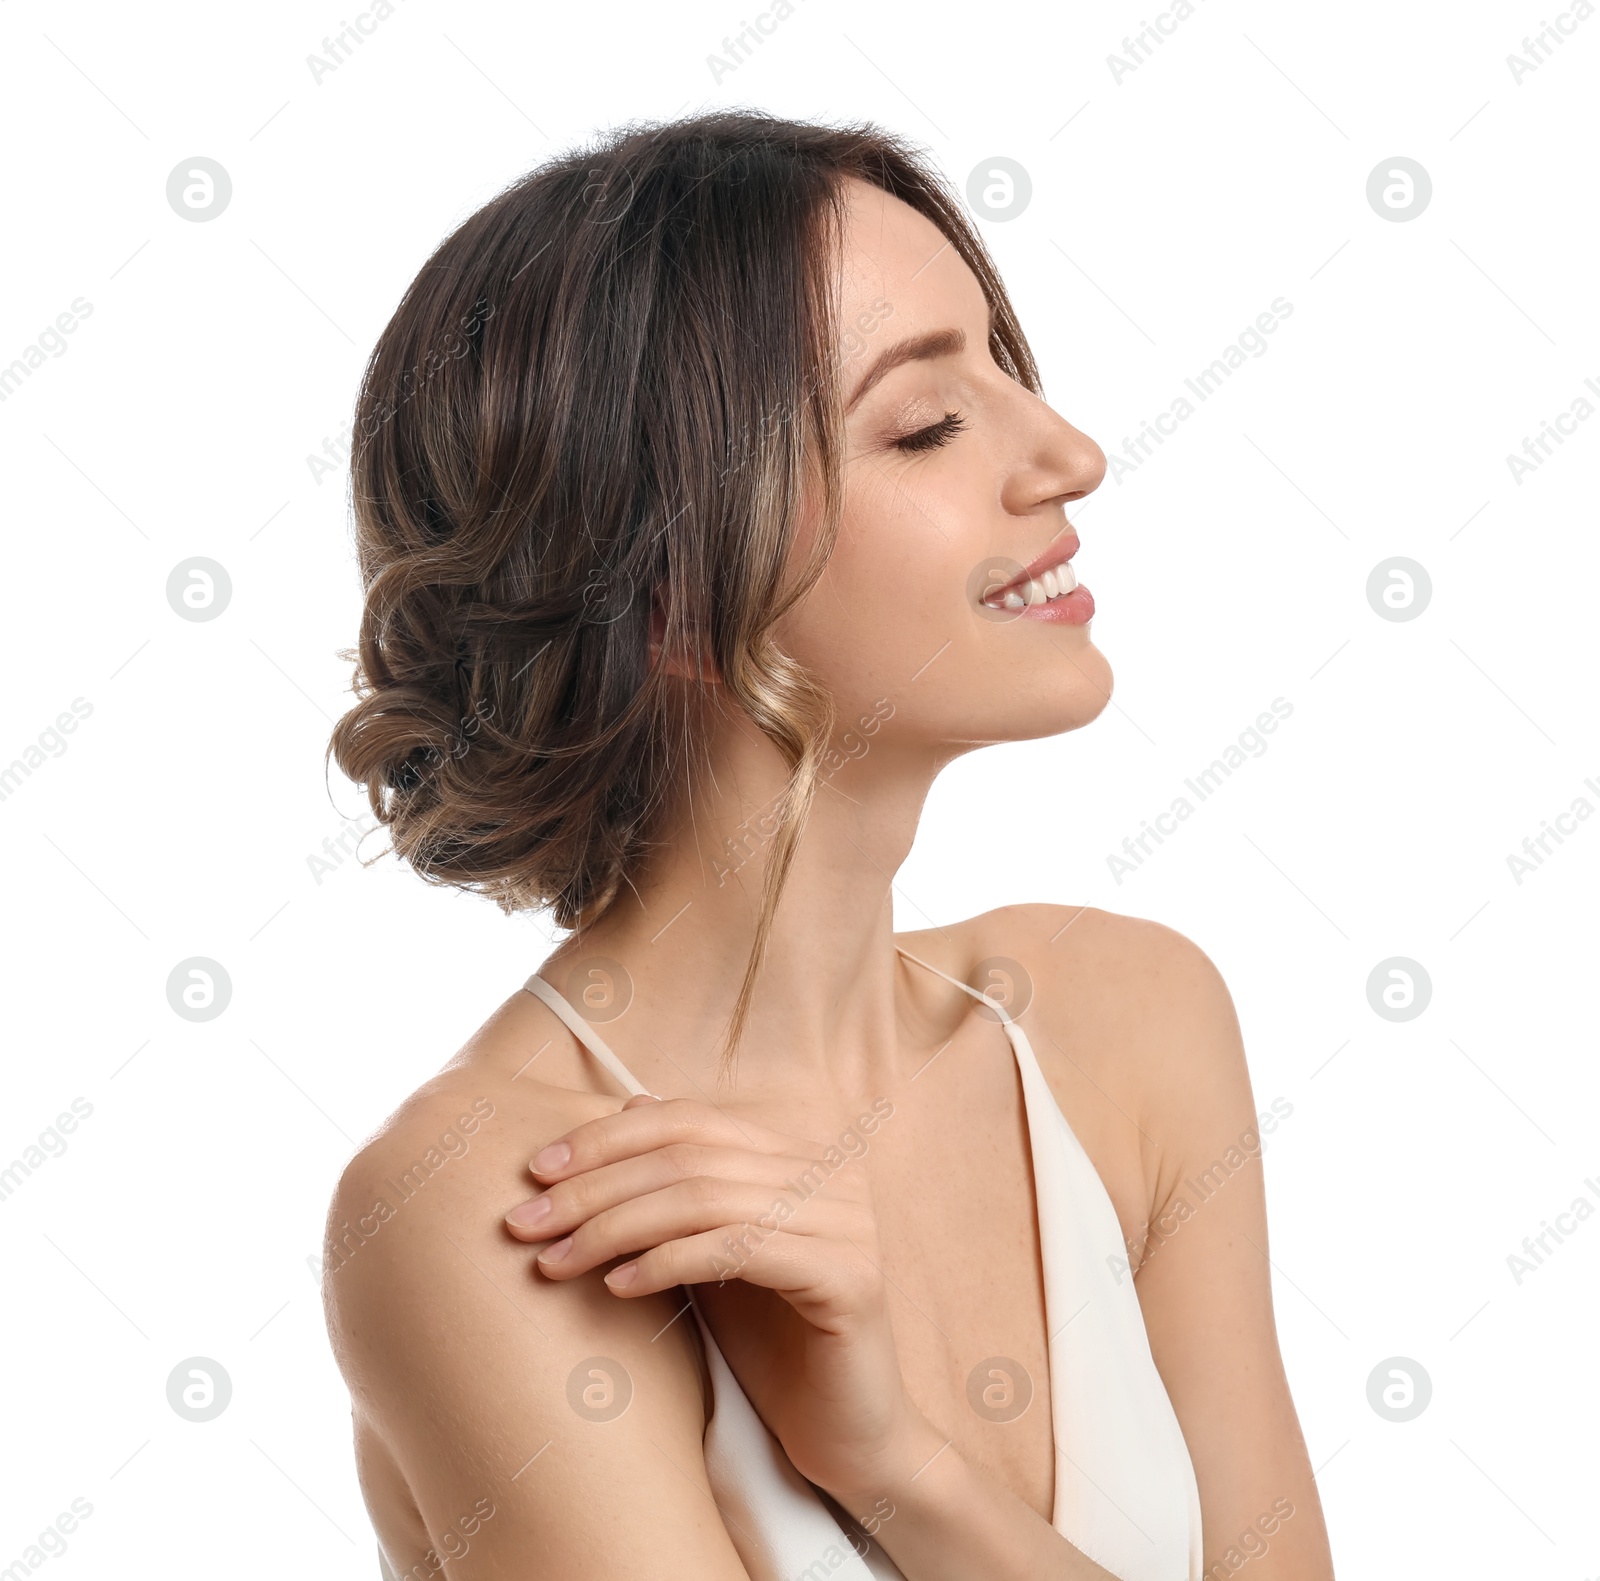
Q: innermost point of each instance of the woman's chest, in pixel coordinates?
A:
(953, 1194)
(950, 1164)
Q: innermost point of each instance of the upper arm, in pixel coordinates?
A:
(494, 1393)
(1204, 1280)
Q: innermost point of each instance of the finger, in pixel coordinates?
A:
(680, 1210)
(636, 1128)
(686, 1208)
(568, 1203)
(691, 1207)
(815, 1274)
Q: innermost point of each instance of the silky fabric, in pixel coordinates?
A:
(1125, 1489)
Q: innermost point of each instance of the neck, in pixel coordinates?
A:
(824, 1007)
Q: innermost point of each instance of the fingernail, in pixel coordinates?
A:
(554, 1254)
(552, 1157)
(526, 1214)
(625, 1275)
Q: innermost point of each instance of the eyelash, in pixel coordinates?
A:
(940, 433)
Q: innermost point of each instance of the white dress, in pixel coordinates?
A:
(1125, 1489)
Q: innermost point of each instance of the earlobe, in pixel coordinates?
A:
(694, 667)
(658, 626)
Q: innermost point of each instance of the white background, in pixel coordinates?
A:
(1168, 210)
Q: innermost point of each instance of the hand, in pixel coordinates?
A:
(781, 1238)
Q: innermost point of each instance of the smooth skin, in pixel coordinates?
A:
(854, 1323)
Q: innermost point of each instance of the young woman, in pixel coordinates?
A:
(707, 508)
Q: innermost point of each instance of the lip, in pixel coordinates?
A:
(1060, 551)
(1072, 609)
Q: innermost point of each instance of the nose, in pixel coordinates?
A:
(1056, 465)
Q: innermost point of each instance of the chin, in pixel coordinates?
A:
(1084, 683)
(1063, 696)
(1084, 675)
(1074, 716)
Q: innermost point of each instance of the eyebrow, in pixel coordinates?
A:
(936, 343)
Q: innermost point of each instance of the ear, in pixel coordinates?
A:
(675, 663)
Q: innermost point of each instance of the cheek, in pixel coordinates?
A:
(909, 541)
(893, 592)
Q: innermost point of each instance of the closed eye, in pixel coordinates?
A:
(936, 434)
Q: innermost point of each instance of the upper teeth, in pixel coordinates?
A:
(1059, 579)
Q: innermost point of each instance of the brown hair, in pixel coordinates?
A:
(611, 383)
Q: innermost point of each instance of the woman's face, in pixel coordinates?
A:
(938, 508)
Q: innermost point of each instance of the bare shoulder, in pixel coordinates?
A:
(426, 1192)
(476, 1382)
(1113, 986)
(1129, 947)
(417, 1208)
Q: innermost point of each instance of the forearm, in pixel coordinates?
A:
(954, 1521)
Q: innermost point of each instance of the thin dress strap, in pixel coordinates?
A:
(584, 1033)
(999, 1009)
